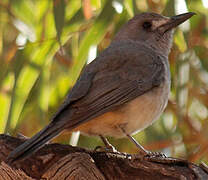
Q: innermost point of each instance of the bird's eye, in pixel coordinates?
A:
(147, 25)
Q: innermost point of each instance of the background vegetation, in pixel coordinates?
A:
(44, 44)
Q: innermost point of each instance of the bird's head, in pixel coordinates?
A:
(152, 29)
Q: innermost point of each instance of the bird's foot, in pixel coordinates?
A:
(149, 154)
(21, 136)
(145, 153)
(108, 148)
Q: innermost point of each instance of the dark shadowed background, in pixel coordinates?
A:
(45, 43)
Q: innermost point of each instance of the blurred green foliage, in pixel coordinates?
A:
(44, 45)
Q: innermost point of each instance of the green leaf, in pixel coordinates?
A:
(5, 99)
(59, 16)
(24, 10)
(26, 77)
(180, 41)
(96, 3)
(129, 7)
(92, 37)
(74, 23)
(169, 8)
(202, 53)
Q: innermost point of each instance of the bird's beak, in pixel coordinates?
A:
(174, 21)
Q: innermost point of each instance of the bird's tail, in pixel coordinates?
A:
(35, 142)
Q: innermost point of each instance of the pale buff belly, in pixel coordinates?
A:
(132, 117)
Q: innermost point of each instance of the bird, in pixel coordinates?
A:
(123, 91)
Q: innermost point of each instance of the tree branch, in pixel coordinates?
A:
(57, 161)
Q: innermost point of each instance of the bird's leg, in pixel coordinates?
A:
(105, 141)
(109, 147)
(142, 150)
(140, 147)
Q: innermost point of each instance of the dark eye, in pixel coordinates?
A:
(147, 25)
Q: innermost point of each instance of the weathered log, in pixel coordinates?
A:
(57, 161)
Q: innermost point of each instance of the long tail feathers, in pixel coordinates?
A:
(34, 143)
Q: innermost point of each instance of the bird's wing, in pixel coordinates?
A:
(119, 75)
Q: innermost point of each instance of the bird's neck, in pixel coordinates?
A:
(160, 44)
(158, 48)
(163, 49)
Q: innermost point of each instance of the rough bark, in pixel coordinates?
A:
(57, 161)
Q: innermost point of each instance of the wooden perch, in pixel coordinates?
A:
(57, 161)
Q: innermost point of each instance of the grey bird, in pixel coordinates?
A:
(124, 90)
